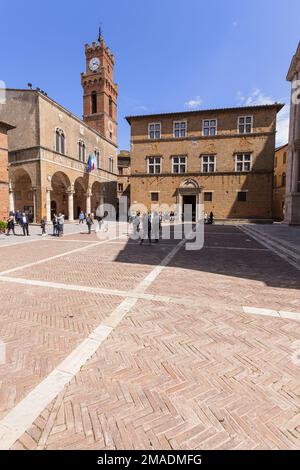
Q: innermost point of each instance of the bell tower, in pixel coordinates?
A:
(99, 90)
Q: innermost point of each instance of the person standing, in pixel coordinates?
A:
(25, 224)
(43, 226)
(89, 222)
(81, 217)
(10, 225)
(55, 228)
(211, 217)
(146, 224)
(60, 224)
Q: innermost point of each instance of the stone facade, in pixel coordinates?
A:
(280, 171)
(292, 201)
(124, 175)
(4, 180)
(225, 188)
(48, 155)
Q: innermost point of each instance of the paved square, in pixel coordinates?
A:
(113, 345)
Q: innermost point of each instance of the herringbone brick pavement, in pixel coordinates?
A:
(169, 376)
(184, 379)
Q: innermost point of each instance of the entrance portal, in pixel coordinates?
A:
(187, 212)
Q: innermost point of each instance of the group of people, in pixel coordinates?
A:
(58, 222)
(17, 218)
(209, 219)
(89, 220)
(147, 226)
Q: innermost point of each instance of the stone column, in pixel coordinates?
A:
(71, 206)
(34, 204)
(11, 200)
(88, 202)
(48, 204)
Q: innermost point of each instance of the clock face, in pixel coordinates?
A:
(94, 64)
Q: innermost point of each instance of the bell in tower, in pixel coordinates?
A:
(99, 90)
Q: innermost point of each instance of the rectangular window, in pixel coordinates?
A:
(154, 197)
(97, 155)
(180, 129)
(179, 164)
(208, 196)
(154, 165)
(120, 187)
(209, 127)
(243, 162)
(208, 163)
(284, 157)
(154, 130)
(120, 171)
(242, 196)
(111, 164)
(245, 124)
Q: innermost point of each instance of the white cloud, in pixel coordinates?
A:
(194, 103)
(257, 97)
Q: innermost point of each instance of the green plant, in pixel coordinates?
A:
(3, 226)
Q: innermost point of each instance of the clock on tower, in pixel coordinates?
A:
(100, 93)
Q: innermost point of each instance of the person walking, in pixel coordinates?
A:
(89, 222)
(10, 225)
(43, 226)
(24, 221)
(155, 226)
(60, 224)
(211, 218)
(81, 217)
(205, 218)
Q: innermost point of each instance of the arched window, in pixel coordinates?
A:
(110, 106)
(94, 102)
(60, 141)
(57, 140)
(97, 155)
(283, 179)
(81, 151)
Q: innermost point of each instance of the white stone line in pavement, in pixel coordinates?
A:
(270, 247)
(60, 255)
(31, 240)
(272, 313)
(18, 420)
(89, 289)
(57, 240)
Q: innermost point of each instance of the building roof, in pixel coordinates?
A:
(277, 106)
(7, 126)
(55, 103)
(281, 147)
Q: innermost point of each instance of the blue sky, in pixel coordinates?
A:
(170, 55)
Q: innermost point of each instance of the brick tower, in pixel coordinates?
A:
(99, 90)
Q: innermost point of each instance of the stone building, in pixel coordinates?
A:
(124, 174)
(292, 201)
(4, 181)
(50, 147)
(280, 171)
(223, 158)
